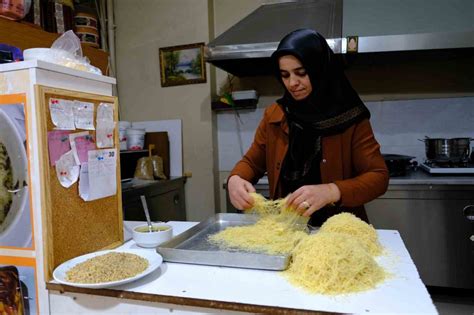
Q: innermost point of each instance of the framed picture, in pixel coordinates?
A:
(182, 65)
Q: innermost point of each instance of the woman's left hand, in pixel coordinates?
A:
(307, 199)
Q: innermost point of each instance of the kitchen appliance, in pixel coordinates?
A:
(398, 165)
(392, 26)
(15, 230)
(448, 167)
(445, 150)
(448, 156)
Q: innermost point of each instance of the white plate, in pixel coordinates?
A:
(154, 261)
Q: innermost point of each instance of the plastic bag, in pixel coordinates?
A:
(157, 162)
(144, 169)
(67, 51)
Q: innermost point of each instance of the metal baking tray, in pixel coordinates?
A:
(193, 246)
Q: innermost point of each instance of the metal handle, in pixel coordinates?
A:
(147, 213)
(176, 199)
(468, 212)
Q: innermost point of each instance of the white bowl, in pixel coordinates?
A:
(12, 140)
(152, 239)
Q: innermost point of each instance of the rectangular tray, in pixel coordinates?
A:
(193, 247)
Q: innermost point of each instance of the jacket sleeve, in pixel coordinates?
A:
(370, 171)
(252, 166)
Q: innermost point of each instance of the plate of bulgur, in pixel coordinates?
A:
(107, 268)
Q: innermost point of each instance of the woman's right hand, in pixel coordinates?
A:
(239, 192)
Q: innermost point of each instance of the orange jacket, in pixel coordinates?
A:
(351, 160)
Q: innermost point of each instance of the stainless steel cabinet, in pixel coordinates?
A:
(436, 229)
(165, 200)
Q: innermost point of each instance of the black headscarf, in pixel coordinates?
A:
(332, 107)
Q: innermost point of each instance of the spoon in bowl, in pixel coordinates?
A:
(147, 213)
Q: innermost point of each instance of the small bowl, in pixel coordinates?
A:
(161, 233)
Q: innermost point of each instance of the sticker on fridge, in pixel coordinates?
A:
(84, 115)
(62, 114)
(98, 177)
(67, 170)
(105, 125)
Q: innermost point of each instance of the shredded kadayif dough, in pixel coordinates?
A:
(263, 206)
(269, 234)
(336, 260)
(347, 223)
(333, 263)
(105, 268)
(276, 232)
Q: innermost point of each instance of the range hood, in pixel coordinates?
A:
(245, 48)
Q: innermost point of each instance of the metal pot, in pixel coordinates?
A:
(399, 164)
(447, 150)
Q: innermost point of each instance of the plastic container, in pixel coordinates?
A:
(135, 139)
(123, 126)
(37, 54)
(86, 19)
(245, 95)
(122, 139)
(58, 16)
(14, 9)
(87, 38)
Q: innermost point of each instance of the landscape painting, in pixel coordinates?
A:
(182, 65)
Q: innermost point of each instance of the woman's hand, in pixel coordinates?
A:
(307, 199)
(239, 190)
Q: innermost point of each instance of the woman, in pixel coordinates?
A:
(316, 142)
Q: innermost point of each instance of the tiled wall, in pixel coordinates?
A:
(397, 126)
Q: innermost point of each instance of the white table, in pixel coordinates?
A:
(253, 290)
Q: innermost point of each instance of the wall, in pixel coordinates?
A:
(226, 13)
(143, 26)
(397, 126)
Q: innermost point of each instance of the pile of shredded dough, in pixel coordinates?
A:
(333, 263)
(263, 206)
(347, 223)
(336, 260)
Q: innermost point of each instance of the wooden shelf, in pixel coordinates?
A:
(24, 36)
(247, 104)
(133, 151)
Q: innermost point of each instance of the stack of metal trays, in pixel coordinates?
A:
(193, 246)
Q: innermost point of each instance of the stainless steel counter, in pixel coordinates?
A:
(434, 217)
(418, 177)
(421, 177)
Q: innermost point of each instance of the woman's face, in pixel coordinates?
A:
(294, 77)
